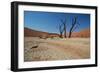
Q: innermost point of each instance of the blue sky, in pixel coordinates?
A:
(49, 21)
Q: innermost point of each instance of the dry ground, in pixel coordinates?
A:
(37, 49)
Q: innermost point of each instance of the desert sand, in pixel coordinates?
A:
(38, 49)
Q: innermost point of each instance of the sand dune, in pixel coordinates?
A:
(34, 33)
(83, 33)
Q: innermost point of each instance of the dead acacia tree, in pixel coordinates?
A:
(74, 25)
(64, 27)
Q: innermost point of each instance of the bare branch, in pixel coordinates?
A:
(77, 25)
(74, 24)
(75, 28)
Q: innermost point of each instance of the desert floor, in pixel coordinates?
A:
(36, 49)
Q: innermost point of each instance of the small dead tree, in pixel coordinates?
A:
(74, 25)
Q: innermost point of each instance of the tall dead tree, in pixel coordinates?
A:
(74, 25)
(64, 27)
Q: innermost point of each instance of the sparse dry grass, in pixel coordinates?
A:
(56, 49)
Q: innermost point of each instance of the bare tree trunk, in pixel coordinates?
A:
(61, 35)
(69, 34)
(65, 30)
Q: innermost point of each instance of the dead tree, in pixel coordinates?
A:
(74, 25)
(64, 27)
